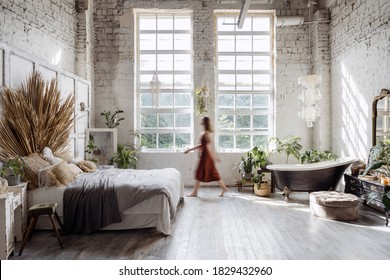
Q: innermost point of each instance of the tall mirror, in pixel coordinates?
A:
(381, 116)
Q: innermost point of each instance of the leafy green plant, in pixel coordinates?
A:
(261, 156)
(312, 156)
(125, 157)
(379, 157)
(289, 145)
(112, 120)
(14, 166)
(247, 163)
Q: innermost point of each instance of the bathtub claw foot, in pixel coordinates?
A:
(286, 193)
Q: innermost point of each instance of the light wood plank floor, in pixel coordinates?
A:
(238, 226)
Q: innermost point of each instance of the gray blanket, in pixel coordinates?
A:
(95, 200)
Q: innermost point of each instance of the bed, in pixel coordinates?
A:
(155, 210)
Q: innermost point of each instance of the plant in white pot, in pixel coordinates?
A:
(246, 165)
(12, 170)
(260, 185)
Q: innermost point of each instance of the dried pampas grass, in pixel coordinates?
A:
(34, 117)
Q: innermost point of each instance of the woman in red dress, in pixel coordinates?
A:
(206, 171)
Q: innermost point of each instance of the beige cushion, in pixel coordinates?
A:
(75, 169)
(55, 160)
(87, 166)
(34, 163)
(61, 174)
(65, 155)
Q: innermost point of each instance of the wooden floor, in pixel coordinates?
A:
(237, 226)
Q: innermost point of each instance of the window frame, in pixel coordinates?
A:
(142, 88)
(270, 110)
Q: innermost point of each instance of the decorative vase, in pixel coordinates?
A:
(263, 190)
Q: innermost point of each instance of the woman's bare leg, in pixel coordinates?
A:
(195, 191)
(223, 187)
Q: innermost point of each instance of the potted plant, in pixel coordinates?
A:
(112, 120)
(246, 165)
(12, 170)
(289, 145)
(261, 156)
(379, 158)
(125, 157)
(261, 186)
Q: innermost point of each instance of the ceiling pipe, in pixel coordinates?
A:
(289, 20)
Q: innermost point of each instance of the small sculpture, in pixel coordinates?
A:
(3, 186)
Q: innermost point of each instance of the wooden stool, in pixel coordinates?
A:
(42, 209)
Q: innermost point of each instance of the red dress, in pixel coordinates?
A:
(206, 171)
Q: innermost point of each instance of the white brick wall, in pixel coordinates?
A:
(44, 28)
(360, 63)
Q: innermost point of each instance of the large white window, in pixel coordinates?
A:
(244, 81)
(164, 47)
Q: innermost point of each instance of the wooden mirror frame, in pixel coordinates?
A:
(384, 93)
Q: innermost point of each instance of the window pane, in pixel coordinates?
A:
(260, 101)
(165, 140)
(166, 80)
(226, 23)
(243, 101)
(262, 82)
(226, 62)
(244, 62)
(164, 41)
(226, 141)
(243, 43)
(260, 122)
(261, 23)
(146, 100)
(182, 120)
(164, 22)
(166, 100)
(182, 22)
(226, 122)
(261, 43)
(148, 140)
(226, 82)
(182, 140)
(182, 41)
(182, 81)
(244, 82)
(226, 101)
(148, 120)
(261, 63)
(243, 141)
(260, 140)
(225, 43)
(182, 99)
(243, 122)
(165, 62)
(147, 42)
(147, 62)
(165, 120)
(182, 62)
(147, 22)
(247, 25)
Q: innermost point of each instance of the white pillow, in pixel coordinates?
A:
(47, 153)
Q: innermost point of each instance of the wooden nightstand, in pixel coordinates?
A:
(9, 203)
(21, 213)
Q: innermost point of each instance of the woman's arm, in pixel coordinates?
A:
(192, 149)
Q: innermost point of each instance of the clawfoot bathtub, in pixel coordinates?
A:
(311, 177)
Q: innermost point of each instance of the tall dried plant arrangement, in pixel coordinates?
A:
(34, 117)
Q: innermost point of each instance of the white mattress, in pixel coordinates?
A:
(153, 212)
